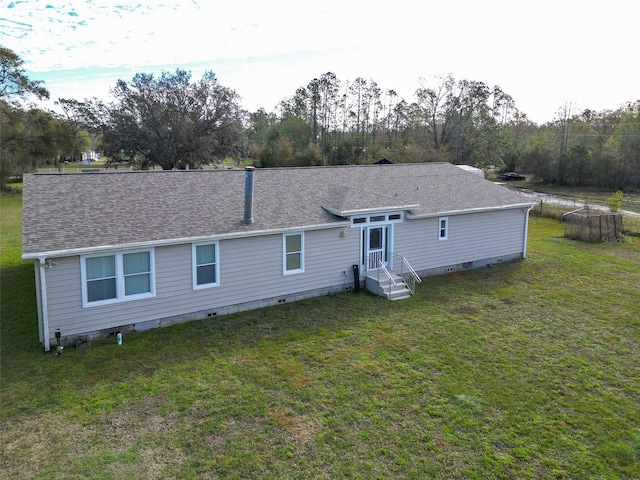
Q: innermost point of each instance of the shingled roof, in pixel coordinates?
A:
(71, 213)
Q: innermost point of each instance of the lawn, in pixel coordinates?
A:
(528, 370)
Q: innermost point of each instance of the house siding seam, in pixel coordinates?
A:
(209, 315)
(471, 238)
(479, 263)
(250, 272)
(247, 269)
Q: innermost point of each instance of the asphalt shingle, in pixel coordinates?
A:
(81, 211)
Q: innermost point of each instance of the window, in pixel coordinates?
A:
(117, 277)
(205, 265)
(293, 248)
(101, 278)
(386, 218)
(443, 228)
(136, 269)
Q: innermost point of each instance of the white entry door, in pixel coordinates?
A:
(376, 247)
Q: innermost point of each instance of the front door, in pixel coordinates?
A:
(376, 247)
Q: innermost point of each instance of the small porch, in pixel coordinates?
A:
(395, 282)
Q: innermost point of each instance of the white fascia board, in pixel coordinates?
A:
(369, 211)
(178, 241)
(463, 211)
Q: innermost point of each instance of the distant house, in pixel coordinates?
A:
(90, 156)
(137, 250)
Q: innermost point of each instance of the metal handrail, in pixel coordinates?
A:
(406, 272)
(405, 264)
(390, 279)
(384, 269)
(413, 273)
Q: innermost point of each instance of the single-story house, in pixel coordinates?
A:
(129, 251)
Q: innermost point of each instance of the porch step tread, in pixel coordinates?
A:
(396, 278)
(400, 287)
(400, 297)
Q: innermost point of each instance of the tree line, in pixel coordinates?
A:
(169, 121)
(329, 122)
(28, 135)
(175, 122)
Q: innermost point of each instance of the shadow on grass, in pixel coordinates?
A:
(19, 325)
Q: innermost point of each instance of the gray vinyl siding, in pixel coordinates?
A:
(471, 237)
(250, 270)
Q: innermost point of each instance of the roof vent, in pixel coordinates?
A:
(248, 195)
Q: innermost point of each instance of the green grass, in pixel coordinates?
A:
(528, 370)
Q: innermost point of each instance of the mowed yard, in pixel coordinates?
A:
(528, 370)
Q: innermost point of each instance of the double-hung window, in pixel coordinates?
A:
(293, 253)
(136, 269)
(205, 265)
(101, 280)
(443, 228)
(117, 277)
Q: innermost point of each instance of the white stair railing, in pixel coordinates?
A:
(374, 262)
(406, 271)
(390, 281)
(401, 268)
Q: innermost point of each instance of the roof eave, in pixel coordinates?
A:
(368, 211)
(176, 241)
(463, 211)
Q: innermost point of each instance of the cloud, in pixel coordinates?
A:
(543, 53)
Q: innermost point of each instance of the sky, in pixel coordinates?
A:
(545, 54)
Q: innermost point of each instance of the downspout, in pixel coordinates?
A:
(43, 300)
(36, 271)
(526, 231)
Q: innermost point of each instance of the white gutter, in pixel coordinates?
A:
(463, 211)
(177, 241)
(43, 300)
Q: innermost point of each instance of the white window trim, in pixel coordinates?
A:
(120, 296)
(365, 220)
(284, 253)
(194, 267)
(440, 229)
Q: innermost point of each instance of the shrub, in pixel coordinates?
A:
(614, 202)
